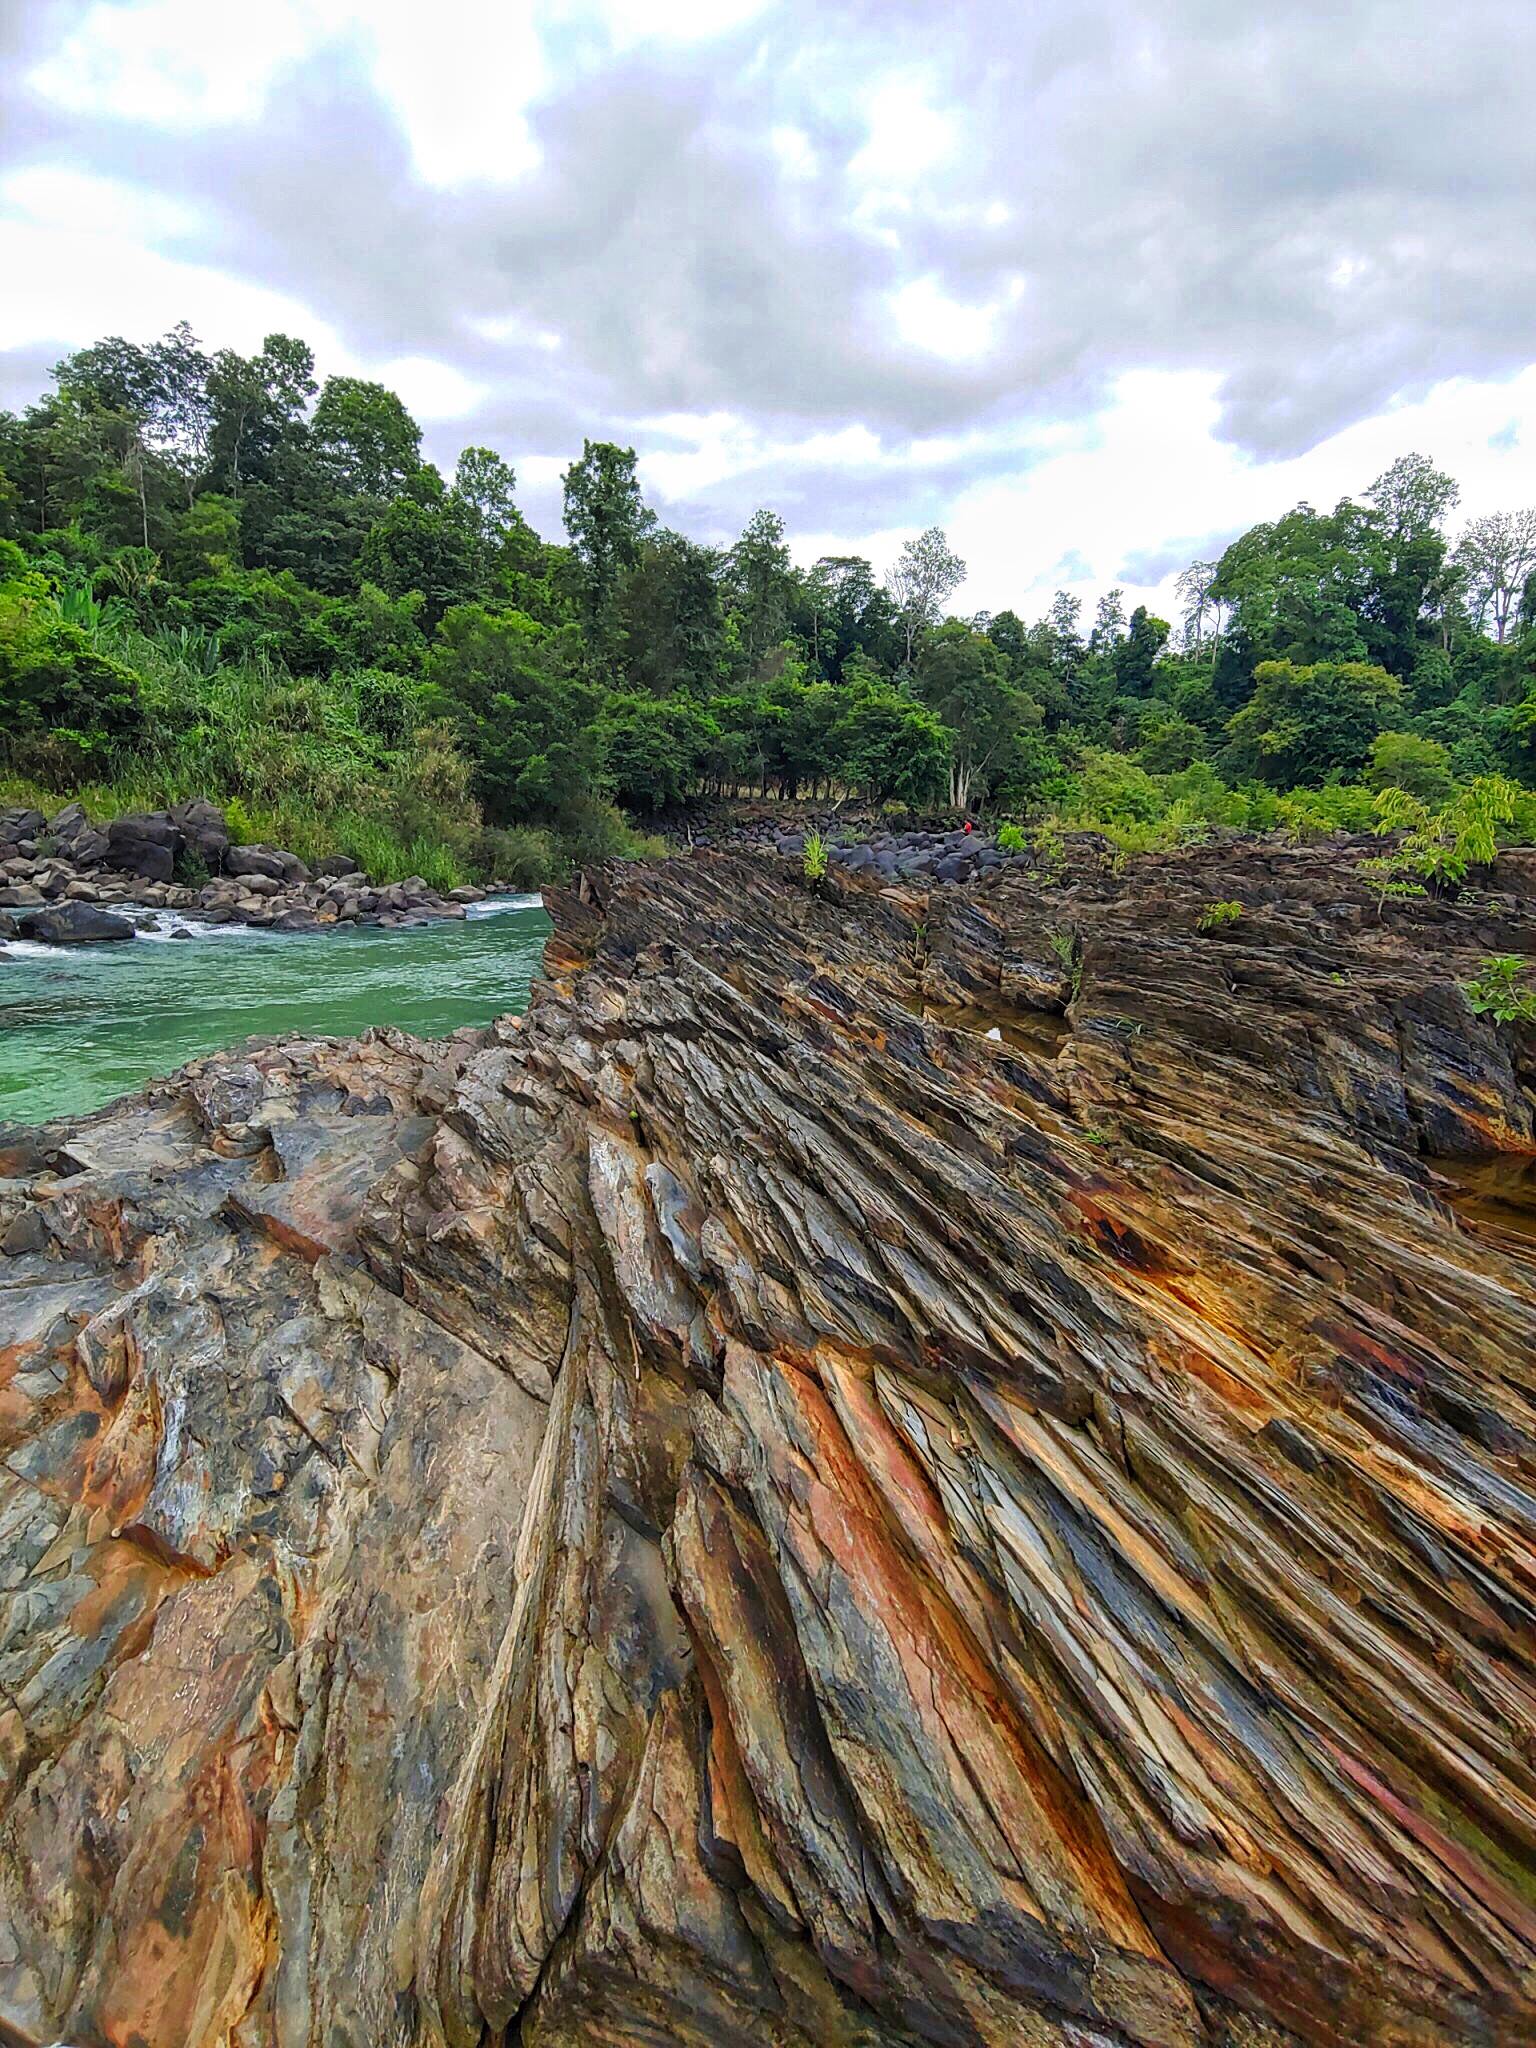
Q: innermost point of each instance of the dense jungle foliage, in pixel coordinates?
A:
(220, 577)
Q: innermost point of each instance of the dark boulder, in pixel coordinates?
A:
(145, 846)
(18, 824)
(266, 860)
(202, 826)
(336, 864)
(76, 839)
(73, 924)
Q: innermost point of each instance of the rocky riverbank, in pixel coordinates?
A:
(917, 1463)
(66, 881)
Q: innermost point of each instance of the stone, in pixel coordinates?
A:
(806, 1493)
(204, 828)
(145, 846)
(257, 860)
(336, 864)
(76, 838)
(73, 924)
(19, 823)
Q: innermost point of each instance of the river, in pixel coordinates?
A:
(82, 1024)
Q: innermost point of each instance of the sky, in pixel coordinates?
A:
(1094, 287)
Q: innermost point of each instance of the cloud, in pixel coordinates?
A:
(878, 265)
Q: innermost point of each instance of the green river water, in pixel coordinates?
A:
(82, 1024)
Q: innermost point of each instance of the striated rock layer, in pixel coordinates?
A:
(746, 1509)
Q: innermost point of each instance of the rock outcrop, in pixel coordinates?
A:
(136, 860)
(883, 1468)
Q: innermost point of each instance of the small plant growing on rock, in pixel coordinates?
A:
(1438, 847)
(813, 860)
(1503, 990)
(1050, 852)
(1215, 915)
(1010, 838)
(1064, 946)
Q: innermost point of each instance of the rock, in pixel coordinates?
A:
(73, 924)
(336, 864)
(16, 895)
(145, 846)
(203, 827)
(466, 893)
(18, 824)
(271, 861)
(76, 838)
(745, 1509)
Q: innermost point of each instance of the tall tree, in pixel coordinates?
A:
(925, 575)
(606, 519)
(762, 580)
(366, 435)
(1497, 553)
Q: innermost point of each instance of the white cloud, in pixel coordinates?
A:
(432, 390)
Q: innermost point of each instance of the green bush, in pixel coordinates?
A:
(1503, 991)
(1011, 839)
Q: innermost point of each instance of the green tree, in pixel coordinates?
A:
(1403, 760)
(606, 520)
(963, 679)
(1307, 722)
(527, 723)
(366, 437)
(762, 582)
(925, 575)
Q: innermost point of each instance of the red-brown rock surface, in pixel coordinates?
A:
(746, 1510)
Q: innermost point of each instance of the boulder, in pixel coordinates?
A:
(202, 826)
(76, 838)
(145, 845)
(336, 864)
(73, 924)
(274, 861)
(18, 823)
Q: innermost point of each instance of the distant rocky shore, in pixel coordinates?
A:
(67, 881)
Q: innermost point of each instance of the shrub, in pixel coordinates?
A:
(1010, 838)
(1503, 991)
(1439, 847)
(1215, 915)
(814, 859)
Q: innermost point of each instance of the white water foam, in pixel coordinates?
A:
(493, 906)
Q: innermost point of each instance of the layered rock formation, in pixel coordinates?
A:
(883, 1468)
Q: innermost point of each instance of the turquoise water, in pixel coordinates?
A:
(82, 1024)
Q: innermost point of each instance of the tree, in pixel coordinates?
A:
(762, 581)
(1135, 655)
(890, 748)
(963, 679)
(925, 575)
(483, 494)
(1108, 622)
(1411, 499)
(1202, 608)
(650, 751)
(366, 436)
(1497, 554)
(256, 403)
(1305, 723)
(1403, 760)
(673, 632)
(528, 725)
(419, 544)
(606, 520)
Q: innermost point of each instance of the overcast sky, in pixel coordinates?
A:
(1094, 287)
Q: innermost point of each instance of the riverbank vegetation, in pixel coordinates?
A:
(220, 577)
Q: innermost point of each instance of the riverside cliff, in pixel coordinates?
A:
(896, 1465)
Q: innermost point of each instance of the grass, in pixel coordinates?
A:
(293, 763)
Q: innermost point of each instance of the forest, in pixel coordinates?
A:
(221, 577)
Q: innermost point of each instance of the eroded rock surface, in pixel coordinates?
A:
(746, 1509)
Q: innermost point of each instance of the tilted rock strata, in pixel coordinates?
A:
(744, 1509)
